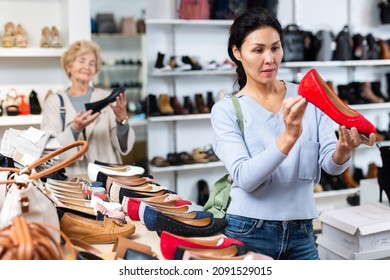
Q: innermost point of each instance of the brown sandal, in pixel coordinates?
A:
(200, 156)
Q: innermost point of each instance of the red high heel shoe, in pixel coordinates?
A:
(315, 90)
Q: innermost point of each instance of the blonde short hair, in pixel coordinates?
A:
(78, 48)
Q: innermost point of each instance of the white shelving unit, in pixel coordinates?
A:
(31, 52)
(36, 68)
(175, 134)
(172, 36)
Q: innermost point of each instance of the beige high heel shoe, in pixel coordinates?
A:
(56, 41)
(46, 38)
(8, 39)
(21, 37)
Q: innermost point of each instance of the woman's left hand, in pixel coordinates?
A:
(119, 107)
(348, 141)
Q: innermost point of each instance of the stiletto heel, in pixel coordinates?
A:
(315, 90)
(384, 173)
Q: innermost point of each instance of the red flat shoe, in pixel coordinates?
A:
(169, 242)
(315, 90)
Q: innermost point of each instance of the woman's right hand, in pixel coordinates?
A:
(293, 110)
(82, 120)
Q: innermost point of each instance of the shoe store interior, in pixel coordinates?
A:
(141, 171)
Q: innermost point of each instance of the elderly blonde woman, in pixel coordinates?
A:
(106, 130)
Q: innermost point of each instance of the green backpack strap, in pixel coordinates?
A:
(219, 198)
(240, 117)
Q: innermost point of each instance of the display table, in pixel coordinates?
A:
(144, 236)
(141, 235)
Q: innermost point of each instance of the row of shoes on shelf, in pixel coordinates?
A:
(187, 63)
(362, 93)
(197, 155)
(51, 38)
(126, 84)
(17, 104)
(346, 180)
(17, 36)
(165, 105)
(14, 36)
(122, 61)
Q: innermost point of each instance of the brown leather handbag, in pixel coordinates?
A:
(23, 240)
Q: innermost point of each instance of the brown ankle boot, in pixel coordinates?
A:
(177, 107)
(372, 171)
(384, 49)
(348, 179)
(200, 105)
(165, 105)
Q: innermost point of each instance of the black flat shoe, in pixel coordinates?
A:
(189, 227)
(99, 105)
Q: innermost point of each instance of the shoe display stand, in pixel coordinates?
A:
(123, 54)
(203, 40)
(364, 19)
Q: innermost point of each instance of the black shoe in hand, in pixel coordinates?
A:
(99, 105)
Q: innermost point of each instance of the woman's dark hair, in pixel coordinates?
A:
(247, 22)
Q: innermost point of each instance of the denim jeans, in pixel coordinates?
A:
(281, 240)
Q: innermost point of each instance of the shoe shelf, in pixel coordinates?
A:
(380, 143)
(116, 36)
(336, 63)
(192, 73)
(328, 200)
(189, 117)
(371, 106)
(336, 193)
(20, 120)
(154, 169)
(37, 119)
(31, 52)
(160, 22)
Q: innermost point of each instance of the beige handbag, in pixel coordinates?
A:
(25, 194)
(127, 26)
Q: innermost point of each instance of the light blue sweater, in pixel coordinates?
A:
(268, 184)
